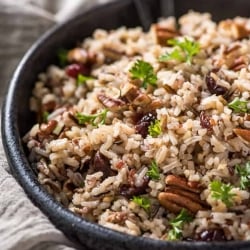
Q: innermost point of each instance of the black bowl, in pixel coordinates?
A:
(17, 119)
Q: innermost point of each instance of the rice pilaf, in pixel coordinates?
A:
(148, 133)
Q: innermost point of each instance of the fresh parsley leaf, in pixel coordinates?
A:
(244, 173)
(45, 116)
(176, 54)
(94, 119)
(223, 192)
(62, 55)
(143, 71)
(153, 172)
(238, 106)
(143, 202)
(81, 79)
(183, 51)
(177, 224)
(155, 128)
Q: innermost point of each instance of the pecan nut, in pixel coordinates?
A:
(182, 183)
(180, 194)
(179, 201)
(243, 133)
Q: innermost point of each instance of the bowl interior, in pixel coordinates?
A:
(17, 119)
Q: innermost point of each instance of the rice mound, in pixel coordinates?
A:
(100, 167)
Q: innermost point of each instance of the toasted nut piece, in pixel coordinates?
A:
(136, 97)
(182, 201)
(233, 29)
(163, 34)
(113, 104)
(192, 196)
(243, 133)
(169, 205)
(182, 183)
(78, 55)
(112, 54)
(238, 64)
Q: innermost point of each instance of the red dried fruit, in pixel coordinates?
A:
(73, 70)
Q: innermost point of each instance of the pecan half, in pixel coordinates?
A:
(182, 183)
(180, 194)
(180, 201)
(242, 133)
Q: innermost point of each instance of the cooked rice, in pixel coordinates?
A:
(91, 168)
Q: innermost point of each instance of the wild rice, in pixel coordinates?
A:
(131, 154)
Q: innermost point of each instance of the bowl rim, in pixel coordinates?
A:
(21, 169)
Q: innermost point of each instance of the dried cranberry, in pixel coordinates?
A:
(129, 191)
(142, 125)
(101, 163)
(73, 70)
(216, 234)
(213, 87)
(205, 121)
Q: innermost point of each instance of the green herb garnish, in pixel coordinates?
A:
(177, 224)
(143, 71)
(155, 128)
(238, 106)
(81, 79)
(244, 173)
(153, 172)
(143, 202)
(45, 116)
(62, 55)
(96, 119)
(223, 192)
(183, 51)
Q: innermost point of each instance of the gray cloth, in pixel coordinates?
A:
(22, 225)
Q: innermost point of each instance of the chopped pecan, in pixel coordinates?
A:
(49, 127)
(114, 104)
(164, 33)
(242, 133)
(233, 57)
(78, 55)
(135, 96)
(238, 64)
(112, 54)
(233, 29)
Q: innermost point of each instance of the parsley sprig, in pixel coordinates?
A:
(143, 202)
(153, 172)
(183, 51)
(144, 71)
(177, 224)
(81, 79)
(223, 192)
(238, 105)
(62, 55)
(244, 173)
(95, 119)
(154, 128)
(45, 116)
